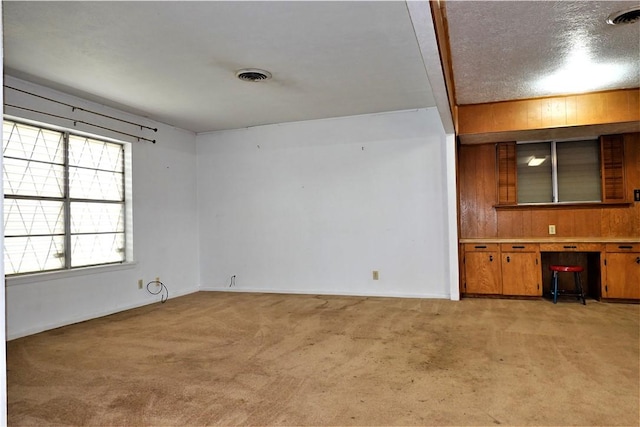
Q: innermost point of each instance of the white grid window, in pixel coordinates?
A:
(64, 204)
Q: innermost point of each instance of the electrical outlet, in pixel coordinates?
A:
(139, 283)
(157, 281)
(552, 229)
(376, 275)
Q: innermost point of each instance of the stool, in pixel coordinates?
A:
(576, 270)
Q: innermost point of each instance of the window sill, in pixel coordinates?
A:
(568, 205)
(64, 274)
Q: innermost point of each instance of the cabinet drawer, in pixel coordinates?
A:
(623, 247)
(571, 247)
(481, 247)
(519, 247)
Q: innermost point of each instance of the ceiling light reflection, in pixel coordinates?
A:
(536, 161)
(580, 74)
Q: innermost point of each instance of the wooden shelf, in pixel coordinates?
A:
(576, 205)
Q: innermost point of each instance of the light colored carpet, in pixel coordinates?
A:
(268, 359)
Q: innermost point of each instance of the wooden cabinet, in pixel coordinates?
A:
(507, 269)
(621, 271)
(521, 271)
(612, 270)
(482, 269)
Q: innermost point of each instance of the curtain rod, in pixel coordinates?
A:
(73, 108)
(83, 122)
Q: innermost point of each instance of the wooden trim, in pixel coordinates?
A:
(608, 107)
(441, 26)
(550, 134)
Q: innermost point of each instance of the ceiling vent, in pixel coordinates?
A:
(253, 75)
(628, 16)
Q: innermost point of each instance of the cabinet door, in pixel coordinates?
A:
(521, 274)
(622, 276)
(482, 273)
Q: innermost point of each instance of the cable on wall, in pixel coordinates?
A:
(74, 108)
(163, 290)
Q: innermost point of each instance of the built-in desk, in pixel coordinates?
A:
(520, 267)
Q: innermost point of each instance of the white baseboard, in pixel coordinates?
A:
(49, 326)
(319, 292)
(42, 328)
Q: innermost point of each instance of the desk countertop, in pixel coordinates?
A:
(555, 240)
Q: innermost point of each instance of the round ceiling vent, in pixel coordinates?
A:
(628, 16)
(253, 75)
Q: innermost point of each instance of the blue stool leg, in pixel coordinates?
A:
(580, 289)
(555, 287)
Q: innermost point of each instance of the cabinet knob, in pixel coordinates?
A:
(491, 258)
(638, 260)
(508, 259)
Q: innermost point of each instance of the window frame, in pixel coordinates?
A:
(67, 270)
(612, 175)
(553, 158)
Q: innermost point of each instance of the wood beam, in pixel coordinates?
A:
(599, 112)
(441, 26)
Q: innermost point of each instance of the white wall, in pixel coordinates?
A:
(309, 207)
(314, 207)
(164, 222)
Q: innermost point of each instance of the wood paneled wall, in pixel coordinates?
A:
(617, 106)
(480, 219)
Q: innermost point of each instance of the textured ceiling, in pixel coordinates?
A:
(175, 61)
(501, 49)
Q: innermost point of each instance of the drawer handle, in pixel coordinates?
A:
(518, 247)
(480, 247)
(625, 247)
(570, 247)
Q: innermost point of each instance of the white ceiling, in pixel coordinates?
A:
(175, 62)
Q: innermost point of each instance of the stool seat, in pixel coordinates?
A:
(576, 270)
(567, 268)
